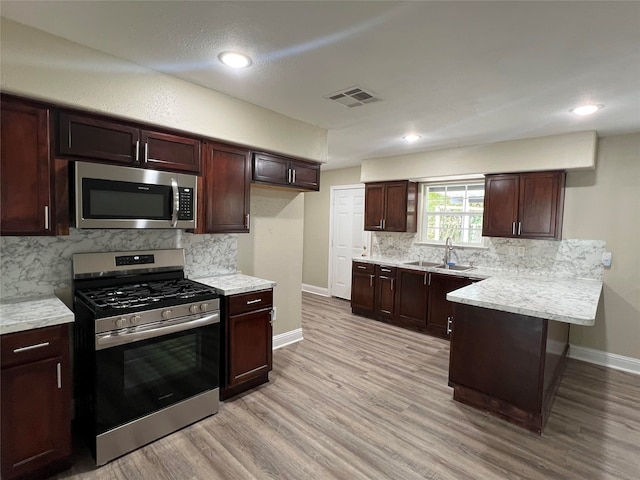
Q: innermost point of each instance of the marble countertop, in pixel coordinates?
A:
(232, 284)
(28, 314)
(569, 300)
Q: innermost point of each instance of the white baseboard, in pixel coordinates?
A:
(287, 338)
(324, 292)
(611, 360)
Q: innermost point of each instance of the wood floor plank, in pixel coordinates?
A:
(362, 400)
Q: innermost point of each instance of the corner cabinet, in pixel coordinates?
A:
(269, 169)
(82, 136)
(526, 205)
(391, 206)
(34, 186)
(224, 190)
(247, 341)
(36, 402)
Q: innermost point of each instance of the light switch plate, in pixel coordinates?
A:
(606, 259)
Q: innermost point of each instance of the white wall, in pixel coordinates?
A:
(41, 66)
(273, 250)
(557, 152)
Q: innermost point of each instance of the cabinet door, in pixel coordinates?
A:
(250, 346)
(385, 292)
(95, 139)
(305, 175)
(395, 217)
(374, 200)
(362, 293)
(270, 169)
(163, 151)
(440, 309)
(500, 215)
(25, 165)
(412, 298)
(36, 417)
(226, 188)
(541, 205)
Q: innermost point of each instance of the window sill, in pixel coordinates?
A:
(455, 246)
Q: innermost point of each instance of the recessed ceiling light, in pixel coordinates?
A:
(586, 109)
(412, 137)
(235, 59)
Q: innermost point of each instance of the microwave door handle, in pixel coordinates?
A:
(176, 202)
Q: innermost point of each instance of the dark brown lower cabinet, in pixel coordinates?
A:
(412, 298)
(363, 289)
(247, 341)
(35, 403)
(441, 311)
(385, 297)
(507, 364)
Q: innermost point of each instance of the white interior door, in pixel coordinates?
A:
(347, 236)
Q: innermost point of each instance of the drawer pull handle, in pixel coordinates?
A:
(385, 270)
(361, 267)
(257, 300)
(59, 375)
(31, 347)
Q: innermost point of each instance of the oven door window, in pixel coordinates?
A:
(139, 378)
(111, 199)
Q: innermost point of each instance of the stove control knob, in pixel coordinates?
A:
(121, 322)
(203, 307)
(135, 320)
(166, 314)
(194, 309)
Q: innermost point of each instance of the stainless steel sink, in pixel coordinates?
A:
(422, 263)
(457, 268)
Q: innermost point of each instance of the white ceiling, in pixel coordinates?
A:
(457, 73)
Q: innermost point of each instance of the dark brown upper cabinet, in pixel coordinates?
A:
(269, 169)
(525, 205)
(391, 206)
(91, 138)
(34, 187)
(224, 191)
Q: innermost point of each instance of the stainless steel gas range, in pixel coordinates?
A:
(147, 348)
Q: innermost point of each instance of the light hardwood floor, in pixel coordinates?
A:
(359, 399)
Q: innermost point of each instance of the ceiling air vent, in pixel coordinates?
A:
(353, 97)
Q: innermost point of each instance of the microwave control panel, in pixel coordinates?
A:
(185, 212)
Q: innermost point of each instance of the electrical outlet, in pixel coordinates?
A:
(273, 314)
(512, 251)
(521, 251)
(606, 259)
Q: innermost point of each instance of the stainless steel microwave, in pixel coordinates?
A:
(109, 196)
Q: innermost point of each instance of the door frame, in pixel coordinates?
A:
(330, 258)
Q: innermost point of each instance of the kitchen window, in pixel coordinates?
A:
(452, 210)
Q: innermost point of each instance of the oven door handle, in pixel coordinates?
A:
(109, 340)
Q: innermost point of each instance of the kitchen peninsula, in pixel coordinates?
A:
(510, 341)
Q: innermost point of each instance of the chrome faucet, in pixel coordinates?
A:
(448, 246)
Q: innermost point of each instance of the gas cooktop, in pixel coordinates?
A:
(144, 295)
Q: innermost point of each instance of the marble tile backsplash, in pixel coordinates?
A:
(565, 258)
(37, 266)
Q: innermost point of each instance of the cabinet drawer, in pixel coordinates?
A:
(247, 302)
(364, 267)
(383, 271)
(31, 345)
